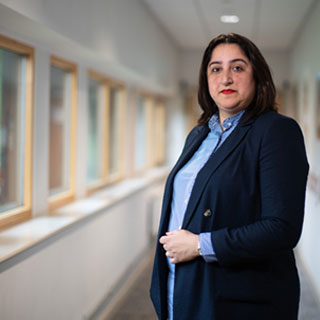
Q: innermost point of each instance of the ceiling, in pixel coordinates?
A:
(271, 24)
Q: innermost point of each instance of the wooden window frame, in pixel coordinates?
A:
(60, 199)
(106, 179)
(150, 112)
(155, 121)
(160, 136)
(23, 212)
(193, 110)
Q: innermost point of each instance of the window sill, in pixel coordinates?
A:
(17, 239)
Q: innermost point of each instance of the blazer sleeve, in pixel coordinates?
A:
(282, 174)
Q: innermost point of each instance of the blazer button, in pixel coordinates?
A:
(207, 213)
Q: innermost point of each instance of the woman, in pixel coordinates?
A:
(234, 202)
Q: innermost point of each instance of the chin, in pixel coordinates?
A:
(231, 110)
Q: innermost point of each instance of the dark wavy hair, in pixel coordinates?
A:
(265, 95)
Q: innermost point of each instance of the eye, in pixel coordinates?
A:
(215, 69)
(237, 68)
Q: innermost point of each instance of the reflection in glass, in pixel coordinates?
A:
(12, 123)
(60, 127)
(141, 133)
(114, 130)
(95, 131)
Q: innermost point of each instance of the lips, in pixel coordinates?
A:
(227, 91)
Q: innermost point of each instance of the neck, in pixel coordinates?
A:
(222, 117)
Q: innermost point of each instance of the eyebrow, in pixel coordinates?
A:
(231, 61)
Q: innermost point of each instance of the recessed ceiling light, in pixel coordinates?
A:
(229, 19)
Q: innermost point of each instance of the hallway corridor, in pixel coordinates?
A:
(96, 101)
(136, 305)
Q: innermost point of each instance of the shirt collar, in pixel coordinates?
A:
(227, 123)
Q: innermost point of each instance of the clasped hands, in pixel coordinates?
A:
(180, 245)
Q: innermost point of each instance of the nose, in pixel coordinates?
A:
(226, 77)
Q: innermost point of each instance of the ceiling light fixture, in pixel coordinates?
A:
(229, 19)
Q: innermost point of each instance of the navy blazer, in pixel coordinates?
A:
(252, 191)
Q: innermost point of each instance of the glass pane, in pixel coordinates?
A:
(160, 133)
(115, 130)
(95, 131)
(153, 123)
(60, 120)
(141, 134)
(12, 117)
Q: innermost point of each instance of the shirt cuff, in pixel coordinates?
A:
(207, 248)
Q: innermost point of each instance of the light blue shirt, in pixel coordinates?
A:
(182, 188)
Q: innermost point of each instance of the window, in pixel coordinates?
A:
(156, 131)
(193, 109)
(16, 89)
(149, 132)
(160, 131)
(106, 128)
(141, 133)
(62, 131)
(96, 130)
(116, 132)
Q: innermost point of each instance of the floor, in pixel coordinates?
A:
(136, 305)
(309, 309)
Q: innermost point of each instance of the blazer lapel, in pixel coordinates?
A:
(190, 150)
(185, 156)
(211, 166)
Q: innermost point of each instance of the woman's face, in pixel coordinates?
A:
(230, 79)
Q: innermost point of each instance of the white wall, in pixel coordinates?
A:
(190, 65)
(304, 66)
(121, 32)
(69, 276)
(279, 65)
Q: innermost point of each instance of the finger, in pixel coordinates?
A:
(173, 260)
(170, 233)
(162, 240)
(169, 254)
